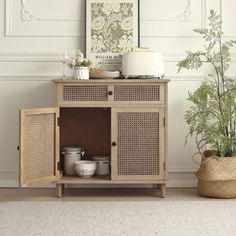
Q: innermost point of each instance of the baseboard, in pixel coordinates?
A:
(182, 184)
(175, 180)
(8, 179)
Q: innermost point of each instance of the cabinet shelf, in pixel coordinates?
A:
(65, 179)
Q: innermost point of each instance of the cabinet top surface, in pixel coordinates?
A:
(111, 81)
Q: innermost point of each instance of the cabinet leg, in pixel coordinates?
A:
(163, 190)
(59, 190)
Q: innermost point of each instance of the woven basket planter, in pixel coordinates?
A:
(217, 176)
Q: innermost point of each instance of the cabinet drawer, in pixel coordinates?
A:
(83, 93)
(139, 93)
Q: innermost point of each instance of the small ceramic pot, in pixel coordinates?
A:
(81, 73)
(103, 165)
(85, 169)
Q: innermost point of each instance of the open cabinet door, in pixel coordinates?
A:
(39, 146)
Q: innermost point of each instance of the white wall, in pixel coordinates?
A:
(33, 33)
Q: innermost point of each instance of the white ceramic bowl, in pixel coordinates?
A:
(85, 169)
(104, 74)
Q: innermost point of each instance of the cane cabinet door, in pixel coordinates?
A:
(39, 146)
(138, 144)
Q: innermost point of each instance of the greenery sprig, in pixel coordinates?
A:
(212, 116)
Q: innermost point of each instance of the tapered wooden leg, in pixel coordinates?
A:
(59, 190)
(163, 190)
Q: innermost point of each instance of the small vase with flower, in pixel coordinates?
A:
(80, 66)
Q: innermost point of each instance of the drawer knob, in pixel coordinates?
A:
(110, 93)
(113, 144)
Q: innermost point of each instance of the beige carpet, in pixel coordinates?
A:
(172, 218)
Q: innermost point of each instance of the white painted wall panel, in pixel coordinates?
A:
(30, 47)
(44, 18)
(180, 156)
(172, 46)
(15, 95)
(171, 18)
(30, 68)
(228, 9)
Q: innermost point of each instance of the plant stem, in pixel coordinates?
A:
(222, 73)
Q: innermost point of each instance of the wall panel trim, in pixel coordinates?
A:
(54, 56)
(29, 17)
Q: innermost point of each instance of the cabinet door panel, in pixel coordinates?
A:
(139, 153)
(39, 146)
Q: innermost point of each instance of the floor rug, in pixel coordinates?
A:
(177, 218)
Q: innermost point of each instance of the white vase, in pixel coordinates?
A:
(81, 73)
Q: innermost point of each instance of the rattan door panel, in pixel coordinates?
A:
(139, 134)
(139, 93)
(39, 146)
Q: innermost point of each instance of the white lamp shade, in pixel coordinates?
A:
(142, 63)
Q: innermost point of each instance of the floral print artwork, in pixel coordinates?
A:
(111, 27)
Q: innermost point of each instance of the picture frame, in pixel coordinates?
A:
(112, 29)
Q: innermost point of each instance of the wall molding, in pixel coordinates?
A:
(228, 34)
(28, 16)
(183, 16)
(183, 169)
(8, 17)
(29, 56)
(54, 56)
(50, 56)
(30, 78)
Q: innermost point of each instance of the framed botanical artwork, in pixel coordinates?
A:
(112, 28)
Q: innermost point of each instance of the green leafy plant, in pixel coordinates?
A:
(212, 115)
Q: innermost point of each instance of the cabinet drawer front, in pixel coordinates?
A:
(138, 93)
(75, 92)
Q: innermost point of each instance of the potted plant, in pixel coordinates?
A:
(212, 116)
(80, 65)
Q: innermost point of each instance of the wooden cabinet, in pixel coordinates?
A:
(124, 119)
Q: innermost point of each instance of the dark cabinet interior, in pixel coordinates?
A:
(89, 128)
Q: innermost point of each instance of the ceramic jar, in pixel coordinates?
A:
(71, 155)
(81, 73)
(103, 165)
